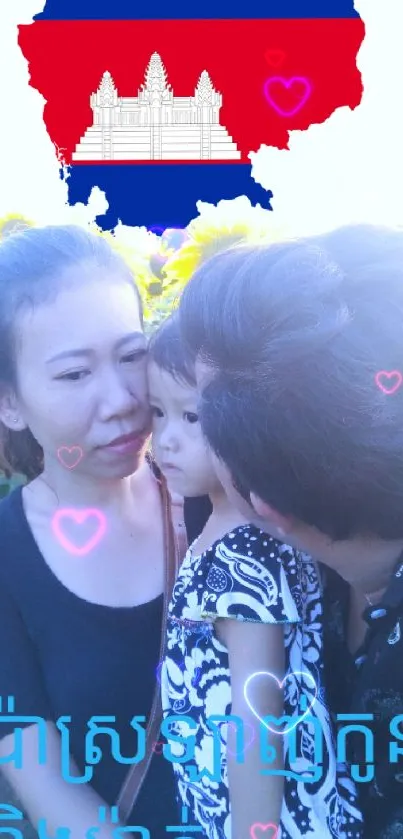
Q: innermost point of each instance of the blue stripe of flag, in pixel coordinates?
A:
(162, 195)
(184, 9)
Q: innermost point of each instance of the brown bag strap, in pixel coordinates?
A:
(175, 546)
(178, 522)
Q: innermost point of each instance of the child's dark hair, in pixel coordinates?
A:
(297, 333)
(169, 351)
(32, 268)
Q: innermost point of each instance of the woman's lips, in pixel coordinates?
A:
(127, 444)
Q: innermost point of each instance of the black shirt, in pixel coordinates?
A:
(196, 512)
(371, 682)
(63, 655)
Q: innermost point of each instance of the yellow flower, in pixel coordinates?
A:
(216, 229)
(146, 253)
(136, 246)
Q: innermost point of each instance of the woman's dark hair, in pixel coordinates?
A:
(32, 268)
(298, 333)
(169, 351)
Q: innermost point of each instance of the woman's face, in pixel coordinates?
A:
(81, 370)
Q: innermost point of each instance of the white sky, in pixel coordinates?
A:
(347, 169)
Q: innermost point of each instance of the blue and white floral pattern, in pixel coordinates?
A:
(250, 576)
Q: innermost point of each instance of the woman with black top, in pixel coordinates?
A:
(82, 544)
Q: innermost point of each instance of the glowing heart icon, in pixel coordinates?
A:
(262, 828)
(78, 516)
(274, 57)
(157, 748)
(249, 740)
(298, 86)
(392, 374)
(70, 456)
(280, 684)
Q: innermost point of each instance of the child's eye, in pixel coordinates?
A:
(156, 412)
(190, 417)
(134, 356)
(74, 376)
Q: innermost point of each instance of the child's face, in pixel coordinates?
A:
(178, 443)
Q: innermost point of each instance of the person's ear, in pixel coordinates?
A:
(10, 414)
(278, 525)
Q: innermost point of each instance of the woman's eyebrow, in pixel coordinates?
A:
(77, 353)
(130, 337)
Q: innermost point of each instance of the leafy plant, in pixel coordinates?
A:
(8, 484)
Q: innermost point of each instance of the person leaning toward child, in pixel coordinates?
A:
(299, 355)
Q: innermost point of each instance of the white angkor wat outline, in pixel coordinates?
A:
(156, 125)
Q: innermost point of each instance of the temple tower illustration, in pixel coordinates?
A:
(156, 125)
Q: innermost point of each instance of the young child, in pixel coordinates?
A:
(244, 638)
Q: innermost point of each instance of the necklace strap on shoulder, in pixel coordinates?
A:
(174, 544)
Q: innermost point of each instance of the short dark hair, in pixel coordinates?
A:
(168, 350)
(33, 266)
(297, 332)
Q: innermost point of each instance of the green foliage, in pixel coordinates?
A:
(8, 484)
(159, 293)
(163, 306)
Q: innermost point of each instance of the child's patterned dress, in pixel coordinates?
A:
(248, 575)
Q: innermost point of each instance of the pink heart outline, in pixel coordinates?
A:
(280, 684)
(389, 374)
(157, 747)
(78, 516)
(246, 746)
(70, 449)
(273, 54)
(287, 83)
(264, 827)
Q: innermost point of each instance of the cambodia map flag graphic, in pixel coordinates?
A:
(161, 106)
